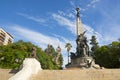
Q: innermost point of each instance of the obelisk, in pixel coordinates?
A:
(78, 22)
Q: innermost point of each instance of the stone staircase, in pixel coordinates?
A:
(89, 74)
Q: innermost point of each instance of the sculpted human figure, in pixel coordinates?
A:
(33, 53)
(82, 46)
(78, 12)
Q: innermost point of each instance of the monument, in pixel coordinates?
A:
(81, 58)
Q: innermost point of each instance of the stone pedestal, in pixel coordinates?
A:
(82, 62)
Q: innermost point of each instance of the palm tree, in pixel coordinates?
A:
(68, 46)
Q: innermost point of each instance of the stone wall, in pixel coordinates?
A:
(85, 74)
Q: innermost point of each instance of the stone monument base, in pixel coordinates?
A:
(82, 62)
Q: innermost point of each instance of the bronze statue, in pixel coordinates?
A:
(78, 12)
(82, 46)
(33, 53)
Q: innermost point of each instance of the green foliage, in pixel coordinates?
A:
(109, 55)
(46, 60)
(94, 44)
(12, 55)
(68, 46)
(55, 56)
(50, 51)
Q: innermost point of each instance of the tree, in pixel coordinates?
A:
(50, 51)
(102, 56)
(108, 55)
(56, 56)
(94, 44)
(68, 46)
(114, 54)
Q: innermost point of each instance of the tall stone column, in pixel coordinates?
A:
(78, 22)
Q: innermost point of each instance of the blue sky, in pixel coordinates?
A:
(53, 22)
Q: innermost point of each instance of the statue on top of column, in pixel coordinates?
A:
(78, 12)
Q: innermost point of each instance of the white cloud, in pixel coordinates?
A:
(65, 22)
(90, 32)
(36, 37)
(82, 9)
(73, 4)
(62, 13)
(69, 15)
(36, 19)
(92, 3)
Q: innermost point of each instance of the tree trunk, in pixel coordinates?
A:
(68, 57)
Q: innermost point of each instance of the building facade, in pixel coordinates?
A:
(5, 37)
